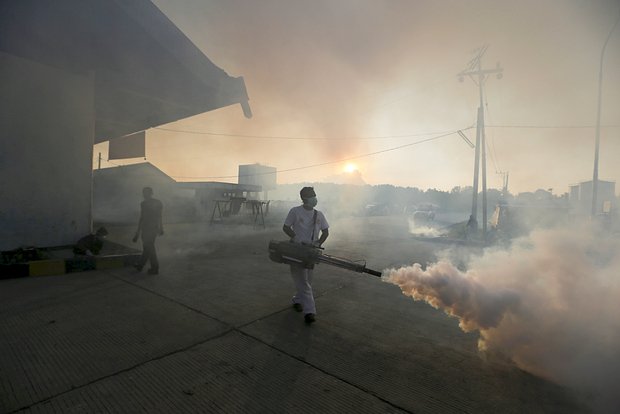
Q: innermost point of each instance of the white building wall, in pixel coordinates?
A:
(257, 174)
(46, 139)
(605, 195)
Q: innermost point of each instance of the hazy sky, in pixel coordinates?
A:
(344, 70)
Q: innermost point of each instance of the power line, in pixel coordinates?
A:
(309, 138)
(491, 144)
(442, 135)
(338, 161)
(551, 126)
(222, 134)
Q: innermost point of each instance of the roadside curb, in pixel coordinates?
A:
(53, 267)
(62, 260)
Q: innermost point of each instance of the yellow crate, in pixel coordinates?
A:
(102, 263)
(46, 267)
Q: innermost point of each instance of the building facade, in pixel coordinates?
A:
(74, 73)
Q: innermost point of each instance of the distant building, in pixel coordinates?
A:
(76, 73)
(513, 220)
(258, 175)
(206, 194)
(580, 197)
(117, 193)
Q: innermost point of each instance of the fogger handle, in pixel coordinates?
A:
(308, 256)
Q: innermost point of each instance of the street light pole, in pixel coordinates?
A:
(597, 139)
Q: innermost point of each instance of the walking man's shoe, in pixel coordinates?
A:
(137, 267)
(298, 307)
(309, 318)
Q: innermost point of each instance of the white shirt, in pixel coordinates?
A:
(301, 221)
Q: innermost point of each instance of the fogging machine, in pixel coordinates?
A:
(307, 256)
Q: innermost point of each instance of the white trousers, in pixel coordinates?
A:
(303, 283)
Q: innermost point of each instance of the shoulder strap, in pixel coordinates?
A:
(313, 226)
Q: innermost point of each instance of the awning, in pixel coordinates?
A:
(146, 72)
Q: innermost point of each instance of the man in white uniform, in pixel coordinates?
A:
(303, 225)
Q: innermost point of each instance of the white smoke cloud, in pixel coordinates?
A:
(422, 230)
(550, 304)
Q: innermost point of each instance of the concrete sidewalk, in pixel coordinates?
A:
(214, 332)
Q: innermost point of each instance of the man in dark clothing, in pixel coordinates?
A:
(150, 225)
(91, 244)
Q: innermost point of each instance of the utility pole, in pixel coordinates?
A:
(597, 139)
(99, 163)
(479, 76)
(504, 175)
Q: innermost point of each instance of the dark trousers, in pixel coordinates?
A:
(148, 251)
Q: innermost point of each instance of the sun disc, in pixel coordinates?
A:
(350, 167)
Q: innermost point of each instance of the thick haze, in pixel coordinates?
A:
(549, 303)
(347, 69)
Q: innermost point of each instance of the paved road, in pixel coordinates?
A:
(214, 332)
